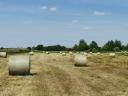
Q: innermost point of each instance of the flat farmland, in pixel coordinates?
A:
(55, 75)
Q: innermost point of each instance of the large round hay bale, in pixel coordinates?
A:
(19, 65)
(70, 53)
(98, 53)
(47, 52)
(84, 53)
(31, 53)
(3, 54)
(112, 54)
(63, 54)
(80, 60)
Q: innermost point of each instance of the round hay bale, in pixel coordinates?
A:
(90, 52)
(112, 54)
(84, 53)
(98, 53)
(19, 65)
(47, 52)
(70, 53)
(63, 54)
(3, 54)
(31, 53)
(80, 60)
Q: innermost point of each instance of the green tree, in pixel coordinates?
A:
(39, 47)
(118, 44)
(116, 49)
(109, 46)
(93, 45)
(29, 48)
(75, 47)
(82, 46)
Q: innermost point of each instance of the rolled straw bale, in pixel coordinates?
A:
(98, 53)
(47, 52)
(31, 53)
(112, 54)
(80, 60)
(70, 53)
(19, 65)
(3, 54)
(84, 53)
(63, 54)
(90, 52)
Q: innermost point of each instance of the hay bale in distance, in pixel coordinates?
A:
(3, 54)
(31, 53)
(85, 53)
(19, 65)
(47, 52)
(70, 53)
(80, 60)
(98, 53)
(63, 54)
(112, 54)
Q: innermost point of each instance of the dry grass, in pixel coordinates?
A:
(56, 75)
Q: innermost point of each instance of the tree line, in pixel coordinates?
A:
(83, 46)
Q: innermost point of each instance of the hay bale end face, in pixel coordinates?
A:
(112, 55)
(70, 53)
(47, 52)
(98, 53)
(19, 65)
(80, 60)
(63, 54)
(31, 53)
(3, 54)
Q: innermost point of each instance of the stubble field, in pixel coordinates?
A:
(56, 75)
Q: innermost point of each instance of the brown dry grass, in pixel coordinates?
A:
(55, 75)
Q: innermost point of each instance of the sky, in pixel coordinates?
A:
(49, 22)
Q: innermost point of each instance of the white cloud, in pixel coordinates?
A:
(53, 9)
(99, 13)
(44, 7)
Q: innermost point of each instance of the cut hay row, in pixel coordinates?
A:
(19, 65)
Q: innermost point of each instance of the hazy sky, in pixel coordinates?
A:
(50, 22)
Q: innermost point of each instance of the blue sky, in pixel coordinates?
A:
(49, 22)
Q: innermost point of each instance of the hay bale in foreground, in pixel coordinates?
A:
(80, 60)
(19, 65)
(3, 54)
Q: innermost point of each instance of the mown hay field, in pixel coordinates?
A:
(56, 75)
